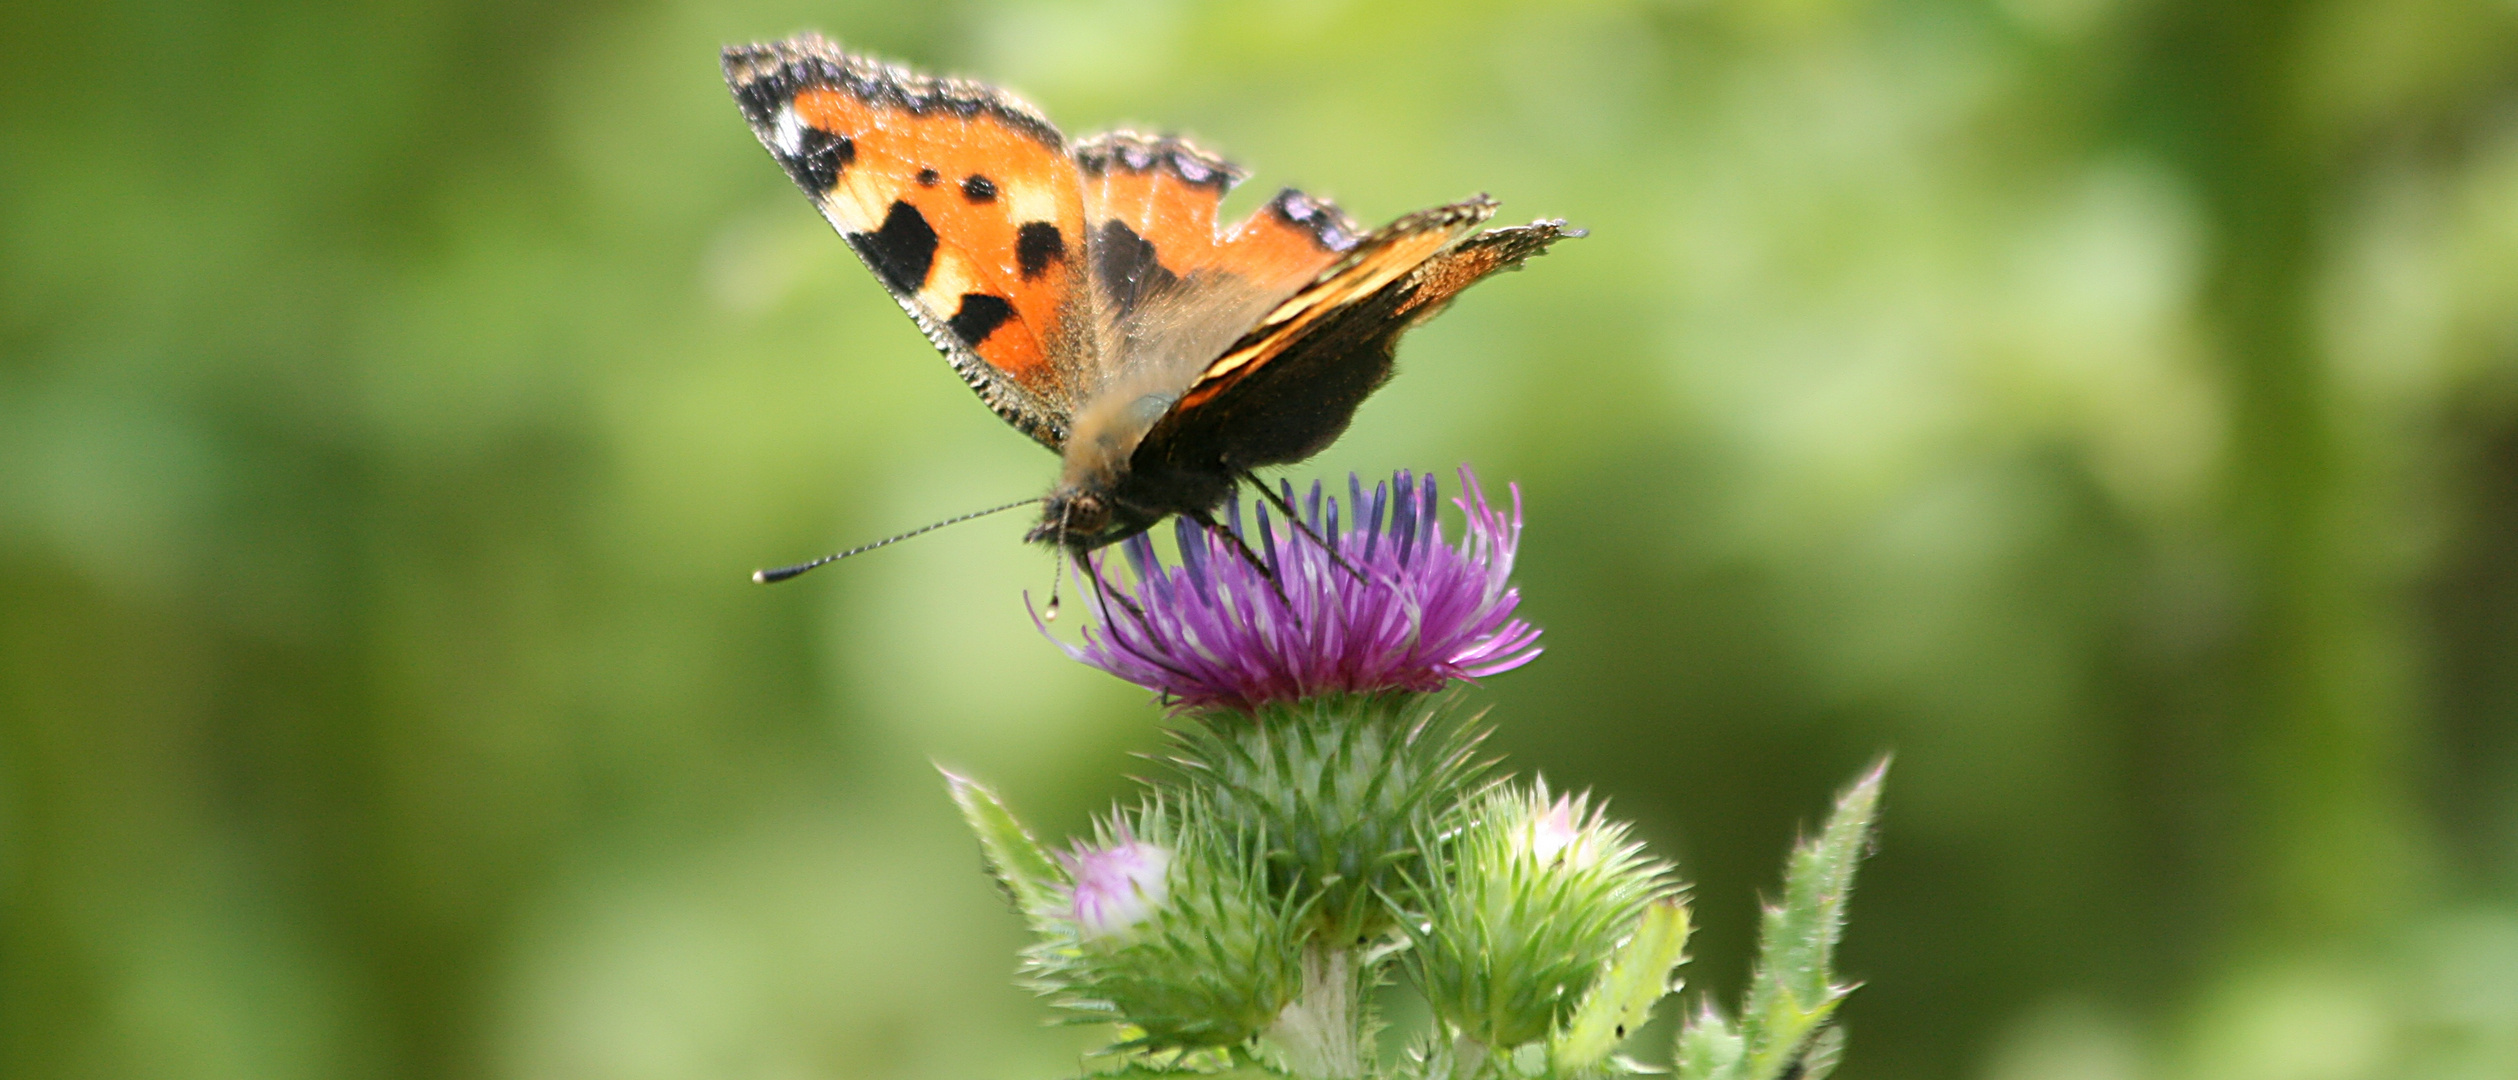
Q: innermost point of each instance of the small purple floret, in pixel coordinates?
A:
(1405, 612)
(1117, 885)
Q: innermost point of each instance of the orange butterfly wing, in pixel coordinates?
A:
(1169, 290)
(961, 198)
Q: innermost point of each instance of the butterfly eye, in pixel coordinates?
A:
(1088, 515)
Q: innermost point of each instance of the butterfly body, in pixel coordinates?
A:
(1085, 291)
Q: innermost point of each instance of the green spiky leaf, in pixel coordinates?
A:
(1209, 1064)
(1709, 1049)
(1795, 991)
(1820, 1058)
(1622, 999)
(1030, 878)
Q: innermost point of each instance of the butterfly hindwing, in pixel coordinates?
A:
(1172, 288)
(1155, 197)
(962, 199)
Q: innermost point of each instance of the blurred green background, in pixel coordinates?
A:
(2109, 405)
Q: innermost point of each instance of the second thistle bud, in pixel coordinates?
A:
(1530, 900)
(1169, 931)
(1117, 885)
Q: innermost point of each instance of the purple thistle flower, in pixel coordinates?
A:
(1405, 611)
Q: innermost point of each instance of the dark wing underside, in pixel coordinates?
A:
(1279, 396)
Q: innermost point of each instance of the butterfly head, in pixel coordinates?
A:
(1081, 519)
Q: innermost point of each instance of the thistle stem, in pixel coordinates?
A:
(1468, 1057)
(1320, 1035)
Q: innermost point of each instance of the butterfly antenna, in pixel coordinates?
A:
(768, 577)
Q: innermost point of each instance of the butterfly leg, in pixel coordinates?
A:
(1287, 509)
(1206, 520)
(1104, 594)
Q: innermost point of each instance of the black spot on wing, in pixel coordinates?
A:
(902, 251)
(979, 188)
(1125, 265)
(819, 159)
(759, 96)
(1036, 246)
(928, 177)
(979, 316)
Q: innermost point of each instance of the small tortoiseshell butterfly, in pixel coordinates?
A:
(1082, 288)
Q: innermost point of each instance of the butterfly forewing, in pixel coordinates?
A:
(1286, 391)
(1430, 287)
(959, 197)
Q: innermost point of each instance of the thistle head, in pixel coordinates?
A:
(1359, 598)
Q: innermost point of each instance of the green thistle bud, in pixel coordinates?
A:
(1528, 904)
(1168, 931)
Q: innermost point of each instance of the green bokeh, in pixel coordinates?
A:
(2109, 406)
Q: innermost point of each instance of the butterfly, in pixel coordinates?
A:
(1084, 290)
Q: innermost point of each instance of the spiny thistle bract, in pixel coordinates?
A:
(1339, 791)
(1328, 823)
